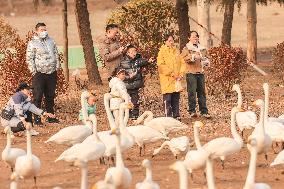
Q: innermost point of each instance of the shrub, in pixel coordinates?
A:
(143, 23)
(13, 67)
(278, 60)
(227, 65)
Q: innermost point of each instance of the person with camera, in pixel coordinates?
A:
(111, 50)
(133, 62)
(196, 59)
(19, 109)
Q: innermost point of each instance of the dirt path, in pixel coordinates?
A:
(233, 176)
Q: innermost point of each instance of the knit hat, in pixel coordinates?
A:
(22, 86)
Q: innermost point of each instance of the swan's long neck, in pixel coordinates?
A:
(84, 176)
(148, 173)
(234, 131)
(14, 184)
(156, 151)
(9, 140)
(196, 137)
(123, 113)
(29, 144)
(261, 121)
(266, 104)
(94, 125)
(240, 98)
(107, 98)
(210, 174)
(183, 178)
(251, 170)
(84, 109)
(146, 116)
(119, 160)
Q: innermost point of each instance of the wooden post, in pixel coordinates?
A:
(65, 37)
(251, 31)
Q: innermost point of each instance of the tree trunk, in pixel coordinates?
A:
(11, 5)
(84, 29)
(183, 22)
(203, 12)
(227, 22)
(65, 37)
(36, 4)
(251, 31)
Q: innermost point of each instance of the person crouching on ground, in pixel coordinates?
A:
(118, 91)
(19, 109)
(133, 62)
(91, 106)
(171, 68)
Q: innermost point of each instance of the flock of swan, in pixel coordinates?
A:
(86, 144)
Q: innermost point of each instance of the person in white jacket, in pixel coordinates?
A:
(118, 91)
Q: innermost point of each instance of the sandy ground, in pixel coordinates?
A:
(233, 176)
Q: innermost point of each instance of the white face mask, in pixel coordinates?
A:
(42, 34)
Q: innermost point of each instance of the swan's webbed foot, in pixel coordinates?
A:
(176, 156)
(12, 170)
(35, 182)
(140, 151)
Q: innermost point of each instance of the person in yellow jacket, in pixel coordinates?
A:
(171, 68)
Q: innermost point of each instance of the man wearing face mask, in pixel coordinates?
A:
(43, 62)
(132, 62)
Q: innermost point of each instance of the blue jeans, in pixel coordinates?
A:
(196, 85)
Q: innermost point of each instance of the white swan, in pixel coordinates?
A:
(264, 141)
(268, 120)
(176, 146)
(126, 141)
(273, 126)
(14, 181)
(84, 152)
(73, 134)
(107, 183)
(246, 119)
(28, 165)
(279, 159)
(148, 182)
(183, 175)
(9, 155)
(210, 174)
(224, 146)
(165, 125)
(250, 181)
(196, 159)
(121, 176)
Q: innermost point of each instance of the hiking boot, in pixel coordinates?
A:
(37, 121)
(208, 116)
(52, 120)
(192, 115)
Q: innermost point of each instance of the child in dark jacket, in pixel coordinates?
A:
(133, 62)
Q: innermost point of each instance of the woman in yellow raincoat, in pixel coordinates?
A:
(171, 68)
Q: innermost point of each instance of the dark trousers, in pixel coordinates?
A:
(20, 126)
(171, 104)
(196, 85)
(45, 84)
(134, 94)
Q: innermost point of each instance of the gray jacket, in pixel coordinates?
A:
(42, 55)
(20, 103)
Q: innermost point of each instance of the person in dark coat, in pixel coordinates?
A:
(133, 62)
